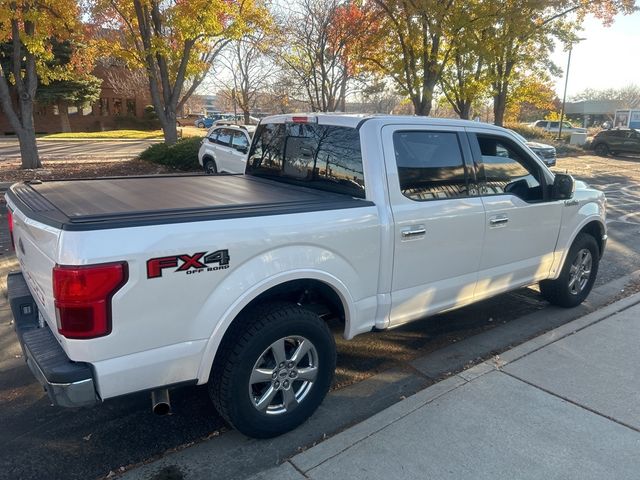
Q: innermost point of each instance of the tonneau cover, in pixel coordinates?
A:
(135, 201)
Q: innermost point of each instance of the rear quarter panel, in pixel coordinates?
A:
(166, 329)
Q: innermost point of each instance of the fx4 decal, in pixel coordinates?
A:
(196, 263)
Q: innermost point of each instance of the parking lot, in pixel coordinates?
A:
(39, 440)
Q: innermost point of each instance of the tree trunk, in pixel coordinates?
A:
(63, 110)
(170, 131)
(246, 117)
(499, 106)
(421, 106)
(28, 149)
(465, 110)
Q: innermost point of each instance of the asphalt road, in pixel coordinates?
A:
(53, 150)
(41, 441)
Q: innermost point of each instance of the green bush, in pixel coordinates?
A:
(183, 155)
(531, 133)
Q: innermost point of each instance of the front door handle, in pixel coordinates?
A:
(413, 232)
(498, 220)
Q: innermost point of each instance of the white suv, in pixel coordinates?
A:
(225, 148)
(554, 127)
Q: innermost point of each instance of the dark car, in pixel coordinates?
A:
(623, 140)
(547, 153)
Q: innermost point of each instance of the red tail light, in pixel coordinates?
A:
(83, 298)
(10, 220)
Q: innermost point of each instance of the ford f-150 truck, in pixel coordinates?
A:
(150, 283)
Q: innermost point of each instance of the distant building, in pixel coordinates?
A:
(119, 106)
(591, 113)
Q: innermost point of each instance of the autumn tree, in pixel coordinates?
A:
(175, 42)
(414, 42)
(27, 27)
(318, 49)
(523, 32)
(530, 94)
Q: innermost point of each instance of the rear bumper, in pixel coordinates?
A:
(68, 383)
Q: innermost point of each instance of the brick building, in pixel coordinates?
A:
(122, 103)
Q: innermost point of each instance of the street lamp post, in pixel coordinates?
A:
(566, 82)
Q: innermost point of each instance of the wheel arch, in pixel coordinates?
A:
(328, 290)
(597, 230)
(593, 226)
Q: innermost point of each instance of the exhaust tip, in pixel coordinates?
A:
(160, 404)
(161, 409)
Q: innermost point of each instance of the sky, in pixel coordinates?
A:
(608, 58)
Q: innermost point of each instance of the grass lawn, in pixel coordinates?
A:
(123, 134)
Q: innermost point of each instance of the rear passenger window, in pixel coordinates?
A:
(224, 137)
(239, 141)
(430, 165)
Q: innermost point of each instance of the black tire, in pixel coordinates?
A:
(234, 394)
(562, 291)
(201, 125)
(601, 149)
(210, 167)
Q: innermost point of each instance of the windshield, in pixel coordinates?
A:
(318, 156)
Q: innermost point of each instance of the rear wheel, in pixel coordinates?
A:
(210, 167)
(602, 149)
(273, 369)
(577, 276)
(201, 125)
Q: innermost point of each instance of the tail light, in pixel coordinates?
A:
(83, 298)
(10, 220)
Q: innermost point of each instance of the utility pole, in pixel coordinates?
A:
(566, 82)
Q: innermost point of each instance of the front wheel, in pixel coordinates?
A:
(210, 167)
(602, 149)
(273, 369)
(577, 276)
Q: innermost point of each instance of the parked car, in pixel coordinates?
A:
(204, 122)
(547, 153)
(553, 126)
(208, 121)
(623, 140)
(149, 283)
(225, 148)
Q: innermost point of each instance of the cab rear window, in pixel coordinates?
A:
(318, 156)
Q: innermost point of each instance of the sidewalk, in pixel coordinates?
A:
(563, 405)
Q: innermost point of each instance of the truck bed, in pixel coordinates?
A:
(135, 201)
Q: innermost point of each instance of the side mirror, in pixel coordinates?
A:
(242, 149)
(563, 187)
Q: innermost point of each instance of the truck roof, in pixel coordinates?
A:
(354, 120)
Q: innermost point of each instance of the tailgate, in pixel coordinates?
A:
(36, 247)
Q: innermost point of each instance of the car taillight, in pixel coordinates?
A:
(83, 298)
(10, 220)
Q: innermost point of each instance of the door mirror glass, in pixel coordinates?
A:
(563, 187)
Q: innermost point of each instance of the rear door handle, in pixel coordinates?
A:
(413, 232)
(498, 220)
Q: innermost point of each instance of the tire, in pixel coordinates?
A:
(210, 167)
(601, 149)
(201, 125)
(256, 362)
(573, 286)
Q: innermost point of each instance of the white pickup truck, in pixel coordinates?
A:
(150, 283)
